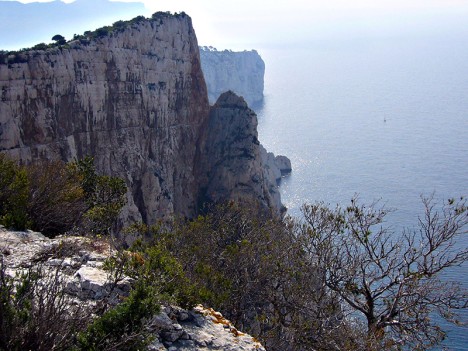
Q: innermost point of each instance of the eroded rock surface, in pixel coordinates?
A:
(236, 168)
(79, 264)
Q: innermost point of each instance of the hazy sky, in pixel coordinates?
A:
(250, 23)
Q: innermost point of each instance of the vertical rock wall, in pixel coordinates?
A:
(134, 99)
(237, 167)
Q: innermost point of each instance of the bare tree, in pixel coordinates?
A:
(392, 281)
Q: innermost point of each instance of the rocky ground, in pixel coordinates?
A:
(79, 262)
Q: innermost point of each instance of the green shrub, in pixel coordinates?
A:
(14, 192)
(102, 32)
(104, 197)
(59, 39)
(56, 201)
(53, 197)
(40, 46)
(123, 327)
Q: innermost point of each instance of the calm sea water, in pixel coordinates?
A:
(386, 119)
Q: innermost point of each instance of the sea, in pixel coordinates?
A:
(382, 118)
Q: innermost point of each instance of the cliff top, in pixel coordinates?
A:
(215, 50)
(87, 37)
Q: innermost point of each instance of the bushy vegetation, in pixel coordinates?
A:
(336, 279)
(14, 185)
(123, 327)
(35, 313)
(54, 197)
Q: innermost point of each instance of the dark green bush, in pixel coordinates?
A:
(40, 46)
(56, 200)
(14, 193)
(123, 327)
(59, 39)
(54, 197)
(119, 25)
(102, 32)
(104, 195)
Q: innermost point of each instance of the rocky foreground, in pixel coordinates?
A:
(79, 262)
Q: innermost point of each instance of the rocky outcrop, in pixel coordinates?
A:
(242, 72)
(79, 262)
(199, 329)
(136, 100)
(236, 168)
(275, 167)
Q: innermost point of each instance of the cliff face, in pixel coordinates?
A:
(241, 72)
(135, 99)
(236, 168)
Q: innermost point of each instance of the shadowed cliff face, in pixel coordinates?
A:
(236, 168)
(136, 100)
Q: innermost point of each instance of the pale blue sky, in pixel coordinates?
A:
(249, 23)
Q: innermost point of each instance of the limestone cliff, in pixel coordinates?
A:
(242, 72)
(136, 100)
(236, 168)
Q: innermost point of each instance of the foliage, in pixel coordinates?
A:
(35, 313)
(14, 185)
(104, 195)
(123, 327)
(252, 270)
(151, 263)
(59, 39)
(302, 285)
(56, 201)
(40, 46)
(54, 197)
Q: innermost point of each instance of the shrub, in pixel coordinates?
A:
(40, 46)
(137, 19)
(56, 199)
(35, 313)
(119, 25)
(123, 327)
(104, 195)
(14, 190)
(253, 270)
(59, 39)
(102, 32)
